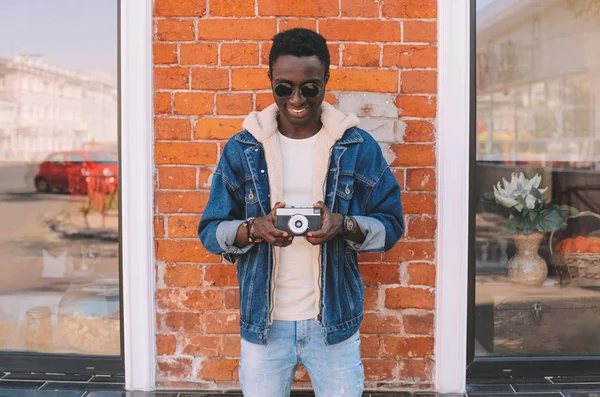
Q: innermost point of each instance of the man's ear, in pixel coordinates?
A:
(326, 78)
(269, 75)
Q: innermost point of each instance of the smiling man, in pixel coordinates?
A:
(301, 293)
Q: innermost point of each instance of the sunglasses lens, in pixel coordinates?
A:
(309, 90)
(283, 90)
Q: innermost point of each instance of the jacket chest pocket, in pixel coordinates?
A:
(344, 193)
(252, 205)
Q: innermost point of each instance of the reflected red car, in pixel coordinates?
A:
(78, 171)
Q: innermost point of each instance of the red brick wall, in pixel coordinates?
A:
(210, 59)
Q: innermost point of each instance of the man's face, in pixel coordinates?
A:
(296, 72)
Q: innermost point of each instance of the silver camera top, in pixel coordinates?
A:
(289, 211)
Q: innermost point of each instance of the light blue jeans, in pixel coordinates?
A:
(268, 371)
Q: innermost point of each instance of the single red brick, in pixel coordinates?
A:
(417, 9)
(360, 8)
(287, 24)
(421, 274)
(185, 321)
(164, 53)
(174, 367)
(217, 128)
(184, 251)
(179, 8)
(413, 155)
(418, 131)
(185, 226)
(165, 344)
(376, 323)
(230, 8)
(176, 178)
(236, 29)
(175, 30)
(222, 323)
(420, 179)
(250, 79)
(159, 226)
(231, 298)
(199, 54)
(410, 56)
(377, 369)
(418, 324)
(380, 273)
(172, 129)
(234, 104)
(263, 101)
(298, 8)
(371, 298)
(199, 153)
(411, 251)
(162, 103)
(218, 369)
(369, 345)
(177, 202)
(239, 54)
(401, 346)
(420, 32)
(361, 55)
(416, 106)
(193, 103)
(416, 370)
(220, 275)
(419, 82)
(201, 345)
(188, 299)
(231, 346)
(363, 80)
(409, 298)
(210, 79)
(421, 227)
(418, 203)
(360, 30)
(369, 257)
(171, 78)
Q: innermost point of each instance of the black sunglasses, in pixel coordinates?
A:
(308, 90)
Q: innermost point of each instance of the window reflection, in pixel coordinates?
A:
(538, 112)
(59, 276)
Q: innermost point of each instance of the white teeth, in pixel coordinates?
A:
(297, 111)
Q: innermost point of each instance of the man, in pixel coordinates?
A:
(301, 297)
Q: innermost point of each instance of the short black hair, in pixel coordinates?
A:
(300, 42)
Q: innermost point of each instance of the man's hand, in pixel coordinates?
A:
(331, 226)
(264, 227)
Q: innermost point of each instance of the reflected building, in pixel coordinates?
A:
(44, 108)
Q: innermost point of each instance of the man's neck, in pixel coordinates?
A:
(298, 131)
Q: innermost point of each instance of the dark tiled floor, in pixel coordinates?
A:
(58, 385)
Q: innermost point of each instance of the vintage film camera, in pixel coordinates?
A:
(298, 221)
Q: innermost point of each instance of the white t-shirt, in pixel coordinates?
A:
(295, 293)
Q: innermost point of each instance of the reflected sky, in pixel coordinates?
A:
(75, 34)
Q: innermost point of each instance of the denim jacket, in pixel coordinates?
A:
(358, 182)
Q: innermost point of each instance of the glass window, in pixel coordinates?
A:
(537, 183)
(59, 235)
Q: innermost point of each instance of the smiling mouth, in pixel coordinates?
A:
(298, 112)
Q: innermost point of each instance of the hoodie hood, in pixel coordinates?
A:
(262, 125)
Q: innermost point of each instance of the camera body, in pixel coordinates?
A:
(298, 221)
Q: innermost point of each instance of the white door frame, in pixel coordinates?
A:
(137, 193)
(453, 195)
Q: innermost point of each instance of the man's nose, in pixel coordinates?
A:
(296, 98)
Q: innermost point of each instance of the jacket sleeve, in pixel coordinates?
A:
(382, 219)
(224, 211)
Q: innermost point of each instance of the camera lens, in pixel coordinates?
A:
(298, 224)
